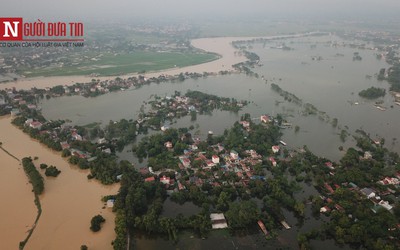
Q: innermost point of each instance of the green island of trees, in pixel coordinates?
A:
(34, 176)
(95, 223)
(52, 171)
(372, 93)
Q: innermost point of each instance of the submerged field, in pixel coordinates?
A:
(119, 64)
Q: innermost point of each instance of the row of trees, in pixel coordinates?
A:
(34, 176)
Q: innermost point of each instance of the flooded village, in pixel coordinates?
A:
(236, 151)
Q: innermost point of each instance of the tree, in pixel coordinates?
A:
(34, 176)
(242, 214)
(52, 171)
(65, 153)
(372, 93)
(223, 201)
(95, 223)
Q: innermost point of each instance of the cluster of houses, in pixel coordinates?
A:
(376, 197)
(11, 101)
(65, 134)
(209, 167)
(180, 105)
(93, 88)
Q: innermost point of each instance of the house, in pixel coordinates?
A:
(192, 108)
(353, 185)
(28, 121)
(210, 163)
(107, 151)
(389, 181)
(220, 148)
(36, 125)
(329, 165)
(275, 149)
(185, 161)
(144, 171)
(166, 180)
(385, 205)
(110, 203)
(339, 208)
(369, 193)
(367, 155)
(31, 106)
(164, 128)
(263, 228)
(234, 155)
(272, 160)
(76, 136)
(265, 119)
(168, 145)
(325, 209)
(149, 179)
(79, 154)
(64, 145)
(218, 221)
(101, 141)
(253, 154)
(180, 186)
(329, 188)
(245, 124)
(215, 159)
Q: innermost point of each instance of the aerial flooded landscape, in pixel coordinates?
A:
(199, 127)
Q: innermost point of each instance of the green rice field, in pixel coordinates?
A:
(120, 64)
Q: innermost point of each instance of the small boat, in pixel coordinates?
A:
(285, 225)
(283, 143)
(381, 108)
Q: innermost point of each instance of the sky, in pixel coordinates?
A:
(133, 9)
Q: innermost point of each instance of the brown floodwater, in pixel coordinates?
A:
(68, 203)
(17, 210)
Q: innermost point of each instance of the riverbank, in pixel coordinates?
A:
(219, 45)
(68, 203)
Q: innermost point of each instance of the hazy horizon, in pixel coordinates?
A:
(125, 10)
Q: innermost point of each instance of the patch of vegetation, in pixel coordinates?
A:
(52, 171)
(95, 223)
(372, 93)
(111, 64)
(34, 176)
